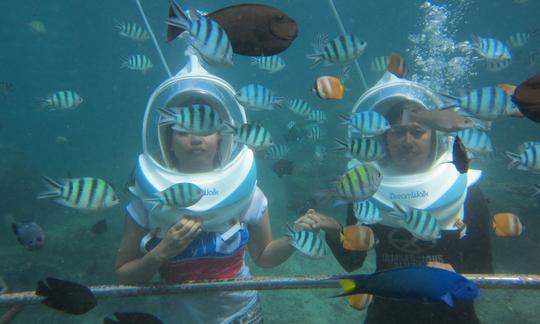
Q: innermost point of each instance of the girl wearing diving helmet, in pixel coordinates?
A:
(415, 175)
(207, 240)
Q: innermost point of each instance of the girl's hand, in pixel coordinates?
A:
(178, 237)
(313, 221)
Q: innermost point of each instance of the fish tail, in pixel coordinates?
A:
(352, 285)
(42, 289)
(515, 159)
(290, 231)
(317, 59)
(119, 24)
(228, 129)
(55, 189)
(178, 17)
(536, 193)
(342, 145)
(255, 60)
(168, 116)
(345, 119)
(125, 63)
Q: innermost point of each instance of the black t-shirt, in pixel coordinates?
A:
(396, 247)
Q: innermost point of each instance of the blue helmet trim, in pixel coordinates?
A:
(452, 194)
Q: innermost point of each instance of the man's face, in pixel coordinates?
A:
(409, 147)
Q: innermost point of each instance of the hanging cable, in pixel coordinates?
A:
(149, 28)
(340, 23)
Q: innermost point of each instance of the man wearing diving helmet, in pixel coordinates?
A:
(208, 239)
(415, 175)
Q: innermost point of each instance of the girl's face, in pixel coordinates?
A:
(194, 153)
(409, 147)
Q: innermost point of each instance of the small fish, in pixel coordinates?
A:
(490, 48)
(132, 31)
(475, 140)
(6, 88)
(507, 225)
(137, 62)
(536, 193)
(367, 212)
(254, 136)
(486, 103)
(271, 64)
(29, 234)
(397, 65)
(459, 156)
(318, 116)
(291, 124)
(80, 193)
(533, 57)
(519, 40)
(299, 107)
(528, 160)
(367, 123)
(61, 139)
(420, 223)
(62, 100)
(179, 195)
(358, 183)
(525, 145)
(497, 65)
(362, 149)
(66, 296)
(357, 238)
(132, 318)
(360, 301)
(204, 34)
(282, 167)
(197, 119)
(379, 64)
(276, 151)
(37, 27)
(307, 242)
(319, 153)
(258, 97)
(99, 228)
(342, 49)
(421, 284)
(527, 98)
(329, 87)
(315, 133)
(445, 120)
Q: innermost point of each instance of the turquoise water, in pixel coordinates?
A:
(81, 51)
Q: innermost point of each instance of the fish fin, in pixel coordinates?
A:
(42, 289)
(536, 193)
(290, 231)
(447, 299)
(342, 145)
(53, 186)
(179, 19)
(515, 159)
(348, 286)
(168, 116)
(194, 14)
(228, 129)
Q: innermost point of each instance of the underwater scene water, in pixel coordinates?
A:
(75, 46)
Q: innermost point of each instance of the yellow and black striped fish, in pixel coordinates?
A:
(359, 183)
(132, 31)
(62, 100)
(309, 243)
(81, 193)
(179, 195)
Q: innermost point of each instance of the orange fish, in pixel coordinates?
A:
(357, 238)
(508, 88)
(360, 301)
(397, 65)
(507, 225)
(329, 87)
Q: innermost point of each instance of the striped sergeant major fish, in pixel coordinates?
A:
(132, 31)
(358, 183)
(368, 123)
(528, 160)
(362, 149)
(315, 133)
(525, 145)
(307, 242)
(379, 64)
(487, 103)
(519, 40)
(318, 116)
(197, 119)
(420, 223)
(475, 140)
(497, 65)
(179, 195)
(490, 48)
(255, 136)
(342, 49)
(270, 64)
(299, 107)
(204, 34)
(367, 212)
(276, 151)
(62, 100)
(80, 193)
(258, 97)
(137, 62)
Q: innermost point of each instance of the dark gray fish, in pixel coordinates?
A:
(29, 234)
(253, 29)
(459, 156)
(99, 227)
(307, 242)
(6, 88)
(132, 318)
(66, 296)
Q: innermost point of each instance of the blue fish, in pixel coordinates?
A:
(342, 49)
(29, 234)
(490, 48)
(422, 284)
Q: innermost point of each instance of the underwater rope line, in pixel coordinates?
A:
(340, 23)
(490, 281)
(141, 10)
